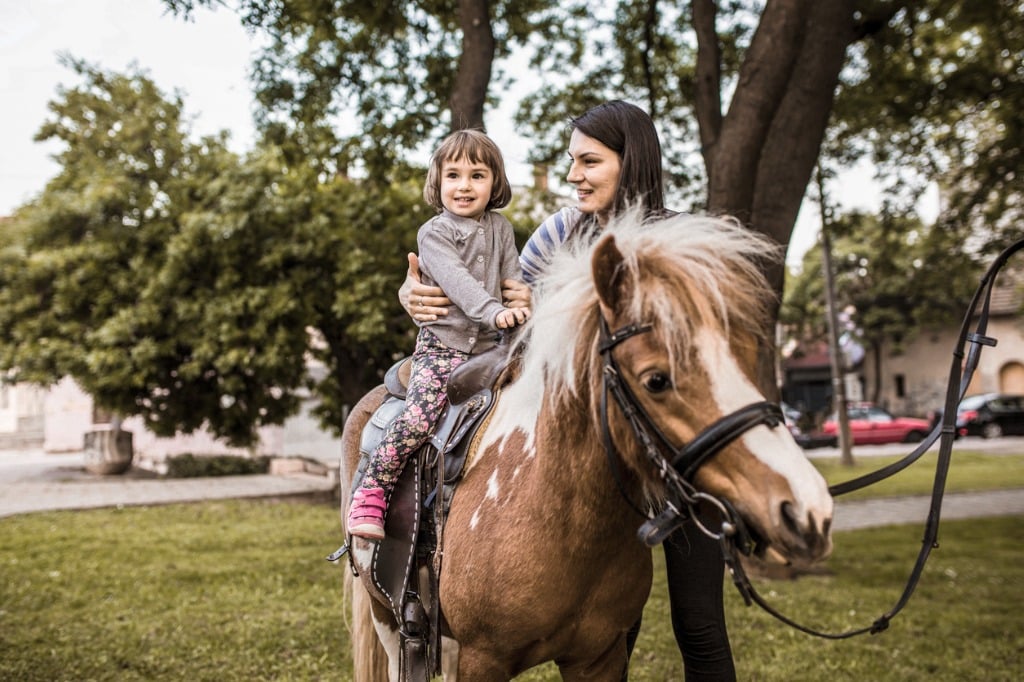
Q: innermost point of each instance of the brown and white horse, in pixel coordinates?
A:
(541, 558)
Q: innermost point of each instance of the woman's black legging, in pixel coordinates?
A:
(696, 572)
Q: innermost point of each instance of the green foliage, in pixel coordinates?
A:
(893, 275)
(196, 466)
(354, 85)
(177, 282)
(934, 94)
(181, 283)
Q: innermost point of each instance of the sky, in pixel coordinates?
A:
(207, 62)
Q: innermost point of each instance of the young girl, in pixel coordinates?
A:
(467, 250)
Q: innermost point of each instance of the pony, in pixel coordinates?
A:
(541, 560)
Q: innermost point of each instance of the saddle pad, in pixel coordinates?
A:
(373, 432)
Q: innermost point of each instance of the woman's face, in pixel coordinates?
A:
(594, 169)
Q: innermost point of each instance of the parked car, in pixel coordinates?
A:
(805, 438)
(991, 415)
(873, 425)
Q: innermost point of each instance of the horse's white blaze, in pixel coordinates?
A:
(732, 390)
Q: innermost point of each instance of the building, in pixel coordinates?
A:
(56, 419)
(913, 379)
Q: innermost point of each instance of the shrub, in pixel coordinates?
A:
(194, 466)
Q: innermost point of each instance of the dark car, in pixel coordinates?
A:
(804, 438)
(872, 425)
(991, 415)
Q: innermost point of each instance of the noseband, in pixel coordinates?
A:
(680, 465)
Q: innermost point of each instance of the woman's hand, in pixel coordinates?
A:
(423, 303)
(515, 294)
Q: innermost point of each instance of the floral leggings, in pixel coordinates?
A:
(432, 364)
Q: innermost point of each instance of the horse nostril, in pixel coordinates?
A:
(789, 518)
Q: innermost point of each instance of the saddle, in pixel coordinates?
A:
(406, 563)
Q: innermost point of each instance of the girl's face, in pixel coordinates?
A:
(595, 171)
(466, 187)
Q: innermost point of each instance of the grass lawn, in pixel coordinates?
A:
(239, 590)
(968, 470)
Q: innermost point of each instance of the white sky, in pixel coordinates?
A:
(206, 61)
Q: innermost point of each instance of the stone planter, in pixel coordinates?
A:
(108, 451)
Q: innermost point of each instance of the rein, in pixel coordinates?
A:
(678, 472)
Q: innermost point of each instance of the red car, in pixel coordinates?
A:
(871, 425)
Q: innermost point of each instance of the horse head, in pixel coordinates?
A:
(689, 304)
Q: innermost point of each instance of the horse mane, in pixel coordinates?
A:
(692, 272)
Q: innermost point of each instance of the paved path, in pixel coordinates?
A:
(899, 510)
(35, 481)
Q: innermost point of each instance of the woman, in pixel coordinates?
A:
(615, 161)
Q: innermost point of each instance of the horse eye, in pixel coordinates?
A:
(657, 382)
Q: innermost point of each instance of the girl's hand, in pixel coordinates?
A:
(423, 303)
(512, 317)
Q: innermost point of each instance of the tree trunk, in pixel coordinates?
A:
(760, 155)
(473, 75)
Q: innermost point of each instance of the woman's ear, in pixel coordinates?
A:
(612, 280)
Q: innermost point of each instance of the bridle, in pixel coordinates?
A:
(675, 465)
(678, 469)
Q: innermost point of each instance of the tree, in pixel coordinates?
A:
(886, 273)
(894, 68)
(360, 85)
(936, 96)
(83, 286)
(743, 93)
(177, 282)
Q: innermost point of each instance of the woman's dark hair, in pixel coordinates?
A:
(473, 146)
(627, 130)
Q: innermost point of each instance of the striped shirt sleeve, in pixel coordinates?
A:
(546, 240)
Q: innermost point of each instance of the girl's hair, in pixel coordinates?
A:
(627, 130)
(475, 147)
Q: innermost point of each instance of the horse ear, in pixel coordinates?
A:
(611, 278)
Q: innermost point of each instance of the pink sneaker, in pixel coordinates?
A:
(366, 514)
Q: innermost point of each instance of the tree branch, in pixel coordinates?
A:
(763, 79)
(709, 75)
(473, 73)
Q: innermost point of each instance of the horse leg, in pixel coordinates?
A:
(608, 667)
(478, 666)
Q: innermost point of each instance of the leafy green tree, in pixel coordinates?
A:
(936, 95)
(742, 90)
(895, 274)
(177, 282)
(301, 245)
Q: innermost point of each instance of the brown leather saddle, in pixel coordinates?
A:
(406, 563)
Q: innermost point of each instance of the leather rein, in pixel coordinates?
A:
(678, 469)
